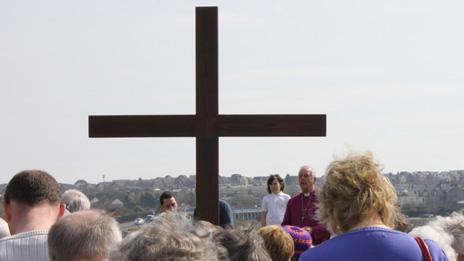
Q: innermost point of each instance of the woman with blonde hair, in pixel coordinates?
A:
(279, 244)
(359, 206)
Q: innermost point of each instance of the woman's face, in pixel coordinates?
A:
(275, 186)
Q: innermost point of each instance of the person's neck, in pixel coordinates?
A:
(306, 192)
(34, 218)
(371, 219)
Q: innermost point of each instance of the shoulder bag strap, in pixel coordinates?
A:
(424, 249)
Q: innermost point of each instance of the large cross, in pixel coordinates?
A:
(206, 125)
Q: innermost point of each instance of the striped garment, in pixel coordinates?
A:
(27, 246)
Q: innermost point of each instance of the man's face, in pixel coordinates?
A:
(306, 179)
(169, 204)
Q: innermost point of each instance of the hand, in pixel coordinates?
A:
(308, 228)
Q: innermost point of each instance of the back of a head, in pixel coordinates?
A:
(302, 239)
(353, 187)
(454, 225)
(83, 235)
(447, 232)
(206, 226)
(31, 187)
(4, 229)
(278, 243)
(75, 200)
(170, 236)
(241, 246)
(438, 235)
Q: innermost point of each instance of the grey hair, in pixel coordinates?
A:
(75, 200)
(437, 234)
(171, 236)
(83, 234)
(4, 229)
(448, 232)
(454, 224)
(242, 246)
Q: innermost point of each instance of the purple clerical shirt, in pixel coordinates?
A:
(301, 212)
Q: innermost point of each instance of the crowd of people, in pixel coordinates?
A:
(354, 216)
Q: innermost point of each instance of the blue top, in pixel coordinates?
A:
(372, 243)
(226, 218)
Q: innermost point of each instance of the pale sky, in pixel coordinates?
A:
(388, 74)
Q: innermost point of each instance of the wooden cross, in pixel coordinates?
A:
(206, 125)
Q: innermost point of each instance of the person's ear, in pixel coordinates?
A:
(62, 210)
(7, 210)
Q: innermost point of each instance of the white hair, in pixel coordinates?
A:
(448, 232)
(242, 245)
(455, 225)
(83, 234)
(75, 200)
(4, 229)
(171, 236)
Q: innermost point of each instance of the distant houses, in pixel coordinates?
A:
(417, 192)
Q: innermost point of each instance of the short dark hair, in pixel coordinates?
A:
(165, 195)
(31, 187)
(272, 178)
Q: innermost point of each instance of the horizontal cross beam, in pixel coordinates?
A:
(125, 126)
(223, 126)
(281, 125)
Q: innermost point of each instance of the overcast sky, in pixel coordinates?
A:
(388, 74)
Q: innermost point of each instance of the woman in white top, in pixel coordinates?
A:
(274, 204)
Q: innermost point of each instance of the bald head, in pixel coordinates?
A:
(95, 232)
(75, 200)
(306, 168)
(306, 179)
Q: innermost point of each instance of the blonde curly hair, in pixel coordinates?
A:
(279, 244)
(354, 187)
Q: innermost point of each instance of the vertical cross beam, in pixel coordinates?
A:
(207, 141)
